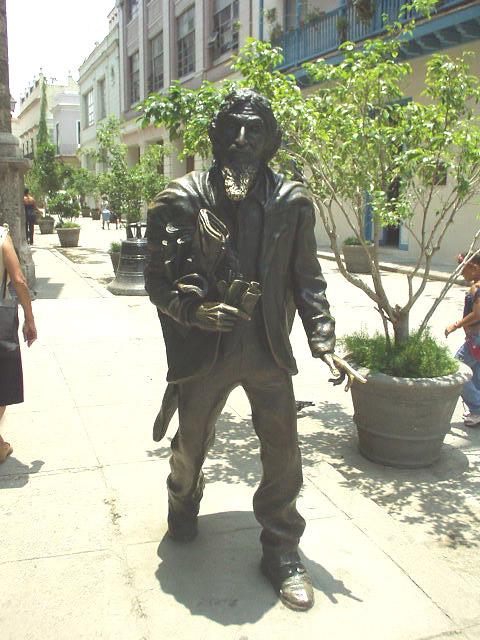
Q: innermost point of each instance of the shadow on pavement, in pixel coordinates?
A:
(15, 474)
(218, 575)
(443, 499)
(45, 289)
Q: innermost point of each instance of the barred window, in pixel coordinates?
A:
(89, 108)
(186, 42)
(134, 78)
(225, 27)
(155, 80)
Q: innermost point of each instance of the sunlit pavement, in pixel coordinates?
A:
(393, 554)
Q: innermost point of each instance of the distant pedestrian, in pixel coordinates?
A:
(106, 214)
(30, 210)
(469, 352)
(11, 375)
(114, 218)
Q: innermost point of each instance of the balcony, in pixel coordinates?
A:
(455, 22)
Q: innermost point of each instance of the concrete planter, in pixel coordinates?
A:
(402, 422)
(115, 258)
(95, 213)
(46, 225)
(357, 259)
(85, 212)
(69, 237)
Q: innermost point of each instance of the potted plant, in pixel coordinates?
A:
(46, 224)
(354, 137)
(364, 9)
(127, 190)
(83, 183)
(115, 248)
(65, 206)
(357, 253)
(342, 27)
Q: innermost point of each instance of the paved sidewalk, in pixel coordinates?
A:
(393, 554)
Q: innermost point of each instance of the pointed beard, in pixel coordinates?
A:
(238, 180)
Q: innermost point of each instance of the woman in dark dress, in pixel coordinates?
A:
(11, 376)
(30, 210)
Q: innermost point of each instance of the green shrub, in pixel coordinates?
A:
(63, 204)
(353, 241)
(419, 357)
(115, 247)
(67, 225)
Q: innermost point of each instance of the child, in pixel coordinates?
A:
(105, 216)
(469, 352)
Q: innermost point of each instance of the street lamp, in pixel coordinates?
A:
(13, 103)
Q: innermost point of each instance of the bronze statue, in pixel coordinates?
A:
(232, 256)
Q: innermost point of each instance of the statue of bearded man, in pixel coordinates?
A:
(264, 226)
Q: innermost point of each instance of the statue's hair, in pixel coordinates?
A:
(235, 101)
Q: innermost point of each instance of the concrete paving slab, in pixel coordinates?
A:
(141, 500)
(66, 512)
(119, 432)
(81, 597)
(214, 587)
(49, 440)
(472, 633)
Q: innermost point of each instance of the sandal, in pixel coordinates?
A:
(5, 450)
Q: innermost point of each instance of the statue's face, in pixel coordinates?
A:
(245, 136)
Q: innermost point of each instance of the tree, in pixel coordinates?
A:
(127, 187)
(81, 182)
(356, 141)
(46, 175)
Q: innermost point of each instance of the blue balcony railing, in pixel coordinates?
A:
(325, 34)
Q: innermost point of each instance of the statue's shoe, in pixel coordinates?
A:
(182, 530)
(292, 584)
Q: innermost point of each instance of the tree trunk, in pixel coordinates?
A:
(401, 329)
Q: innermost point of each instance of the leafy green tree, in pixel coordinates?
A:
(46, 175)
(357, 142)
(80, 181)
(126, 188)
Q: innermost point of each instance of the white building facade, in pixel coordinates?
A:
(66, 126)
(99, 88)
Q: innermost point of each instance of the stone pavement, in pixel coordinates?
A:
(393, 554)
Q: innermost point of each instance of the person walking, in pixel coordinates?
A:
(469, 352)
(30, 210)
(106, 214)
(11, 375)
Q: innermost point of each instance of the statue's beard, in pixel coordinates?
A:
(239, 178)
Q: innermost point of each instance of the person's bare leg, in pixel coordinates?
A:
(5, 448)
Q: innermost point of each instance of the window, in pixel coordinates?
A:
(186, 42)
(57, 136)
(155, 79)
(89, 108)
(78, 133)
(132, 8)
(134, 78)
(101, 99)
(225, 27)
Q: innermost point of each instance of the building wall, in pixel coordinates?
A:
(66, 118)
(29, 115)
(101, 66)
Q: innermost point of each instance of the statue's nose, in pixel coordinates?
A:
(241, 140)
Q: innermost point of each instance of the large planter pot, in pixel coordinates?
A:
(115, 258)
(85, 212)
(402, 422)
(69, 237)
(357, 259)
(46, 225)
(95, 213)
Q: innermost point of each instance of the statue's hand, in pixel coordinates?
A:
(340, 370)
(217, 316)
